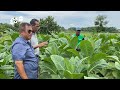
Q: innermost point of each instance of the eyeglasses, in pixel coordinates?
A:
(29, 31)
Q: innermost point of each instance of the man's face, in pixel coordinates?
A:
(77, 33)
(36, 26)
(27, 32)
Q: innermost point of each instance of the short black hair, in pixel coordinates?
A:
(78, 30)
(32, 22)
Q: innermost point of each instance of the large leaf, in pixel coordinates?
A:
(116, 74)
(48, 66)
(61, 34)
(117, 65)
(5, 38)
(86, 48)
(114, 58)
(70, 75)
(73, 51)
(73, 42)
(99, 64)
(60, 48)
(98, 43)
(97, 57)
(85, 77)
(6, 67)
(54, 35)
(53, 49)
(70, 67)
(74, 61)
(82, 68)
(63, 40)
(58, 61)
(1, 46)
(55, 76)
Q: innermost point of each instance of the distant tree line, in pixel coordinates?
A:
(99, 26)
(49, 25)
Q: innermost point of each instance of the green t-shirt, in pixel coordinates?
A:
(80, 38)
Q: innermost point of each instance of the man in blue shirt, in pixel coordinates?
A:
(26, 63)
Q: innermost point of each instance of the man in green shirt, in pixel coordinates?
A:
(80, 37)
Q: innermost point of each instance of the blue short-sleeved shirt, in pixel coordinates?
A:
(22, 50)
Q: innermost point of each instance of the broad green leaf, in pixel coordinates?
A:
(53, 49)
(67, 74)
(82, 67)
(42, 56)
(2, 76)
(70, 67)
(1, 60)
(46, 38)
(55, 36)
(1, 46)
(86, 48)
(77, 75)
(73, 42)
(116, 74)
(60, 48)
(63, 40)
(82, 60)
(117, 65)
(52, 40)
(73, 51)
(58, 61)
(61, 34)
(109, 75)
(73, 60)
(98, 43)
(99, 64)
(6, 67)
(115, 58)
(55, 76)
(70, 75)
(111, 65)
(97, 57)
(48, 66)
(85, 77)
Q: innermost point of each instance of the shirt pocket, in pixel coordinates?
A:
(30, 53)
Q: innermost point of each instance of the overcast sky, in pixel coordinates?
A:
(64, 18)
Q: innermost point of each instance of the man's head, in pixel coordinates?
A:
(25, 30)
(35, 25)
(78, 31)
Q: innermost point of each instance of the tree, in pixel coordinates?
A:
(48, 25)
(100, 22)
(72, 28)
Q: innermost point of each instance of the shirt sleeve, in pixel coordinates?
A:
(18, 52)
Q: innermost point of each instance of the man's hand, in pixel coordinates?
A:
(41, 45)
(20, 69)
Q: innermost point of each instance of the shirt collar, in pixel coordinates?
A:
(26, 41)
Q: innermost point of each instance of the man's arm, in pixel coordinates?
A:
(40, 45)
(20, 69)
(18, 55)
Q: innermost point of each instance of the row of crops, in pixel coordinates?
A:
(99, 57)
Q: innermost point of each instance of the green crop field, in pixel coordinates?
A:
(99, 57)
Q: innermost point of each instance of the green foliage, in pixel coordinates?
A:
(100, 23)
(99, 57)
(48, 25)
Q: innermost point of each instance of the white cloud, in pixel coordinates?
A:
(68, 18)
